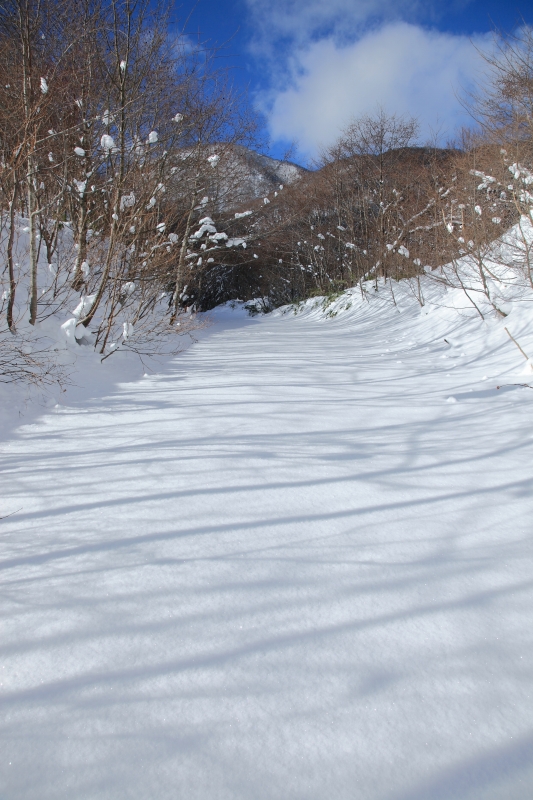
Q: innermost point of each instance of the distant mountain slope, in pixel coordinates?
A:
(259, 174)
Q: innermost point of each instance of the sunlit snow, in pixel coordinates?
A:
(294, 562)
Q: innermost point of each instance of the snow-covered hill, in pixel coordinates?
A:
(248, 175)
(294, 563)
(272, 170)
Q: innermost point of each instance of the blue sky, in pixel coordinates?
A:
(312, 65)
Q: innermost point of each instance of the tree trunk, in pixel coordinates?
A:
(181, 265)
(33, 248)
(10, 265)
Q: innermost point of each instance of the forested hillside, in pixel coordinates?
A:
(132, 196)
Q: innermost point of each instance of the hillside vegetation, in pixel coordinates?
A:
(131, 196)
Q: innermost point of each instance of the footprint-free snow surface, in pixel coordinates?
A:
(296, 564)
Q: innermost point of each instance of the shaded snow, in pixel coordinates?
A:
(284, 567)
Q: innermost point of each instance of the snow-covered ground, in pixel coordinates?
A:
(296, 564)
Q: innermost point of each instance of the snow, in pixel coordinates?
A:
(84, 306)
(127, 330)
(206, 226)
(107, 142)
(286, 565)
(69, 330)
(127, 201)
(128, 288)
(80, 186)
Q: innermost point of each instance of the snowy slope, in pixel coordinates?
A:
(262, 174)
(295, 564)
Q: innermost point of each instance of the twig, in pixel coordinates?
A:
(525, 385)
(115, 350)
(516, 343)
(10, 515)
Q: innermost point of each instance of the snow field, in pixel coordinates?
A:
(286, 567)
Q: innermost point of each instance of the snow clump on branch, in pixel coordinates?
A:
(107, 142)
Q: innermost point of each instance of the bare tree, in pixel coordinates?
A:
(503, 106)
(112, 130)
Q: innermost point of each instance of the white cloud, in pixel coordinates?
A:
(403, 67)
